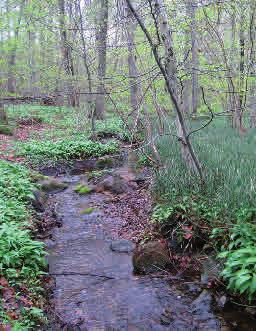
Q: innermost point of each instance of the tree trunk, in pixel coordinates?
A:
(169, 72)
(252, 70)
(3, 115)
(11, 82)
(132, 66)
(66, 55)
(194, 62)
(101, 43)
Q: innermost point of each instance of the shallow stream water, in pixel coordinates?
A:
(95, 288)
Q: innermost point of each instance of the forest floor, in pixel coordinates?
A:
(95, 210)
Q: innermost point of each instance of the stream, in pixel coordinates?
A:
(95, 288)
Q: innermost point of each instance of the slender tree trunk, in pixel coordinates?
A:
(132, 66)
(194, 51)
(252, 59)
(11, 81)
(169, 72)
(3, 115)
(32, 62)
(101, 43)
(66, 55)
(90, 100)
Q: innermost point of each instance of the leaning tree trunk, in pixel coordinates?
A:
(169, 72)
(101, 42)
(174, 88)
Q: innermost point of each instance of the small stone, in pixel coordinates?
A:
(122, 246)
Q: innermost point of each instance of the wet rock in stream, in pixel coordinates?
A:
(122, 246)
(93, 271)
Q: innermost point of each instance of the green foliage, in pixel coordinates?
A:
(162, 213)
(83, 189)
(225, 203)
(240, 259)
(22, 259)
(65, 149)
(20, 255)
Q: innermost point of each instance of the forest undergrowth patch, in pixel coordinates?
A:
(220, 215)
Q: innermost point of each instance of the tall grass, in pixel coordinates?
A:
(228, 161)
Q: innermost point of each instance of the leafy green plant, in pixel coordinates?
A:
(240, 259)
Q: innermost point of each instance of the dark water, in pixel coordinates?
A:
(95, 287)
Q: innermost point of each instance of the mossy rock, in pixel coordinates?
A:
(51, 184)
(36, 176)
(4, 129)
(82, 189)
(105, 162)
(87, 211)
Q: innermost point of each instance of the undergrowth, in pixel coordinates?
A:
(221, 212)
(41, 152)
(22, 258)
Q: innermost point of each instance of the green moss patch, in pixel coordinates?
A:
(83, 189)
(87, 211)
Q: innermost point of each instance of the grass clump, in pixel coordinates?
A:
(65, 149)
(22, 259)
(83, 189)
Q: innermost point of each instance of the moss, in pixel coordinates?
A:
(82, 189)
(4, 129)
(87, 211)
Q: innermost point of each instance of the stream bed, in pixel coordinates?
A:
(95, 288)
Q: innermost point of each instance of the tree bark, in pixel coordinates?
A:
(101, 43)
(11, 81)
(66, 55)
(194, 51)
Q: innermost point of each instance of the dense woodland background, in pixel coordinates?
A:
(176, 77)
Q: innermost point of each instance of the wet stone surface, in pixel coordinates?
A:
(95, 286)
